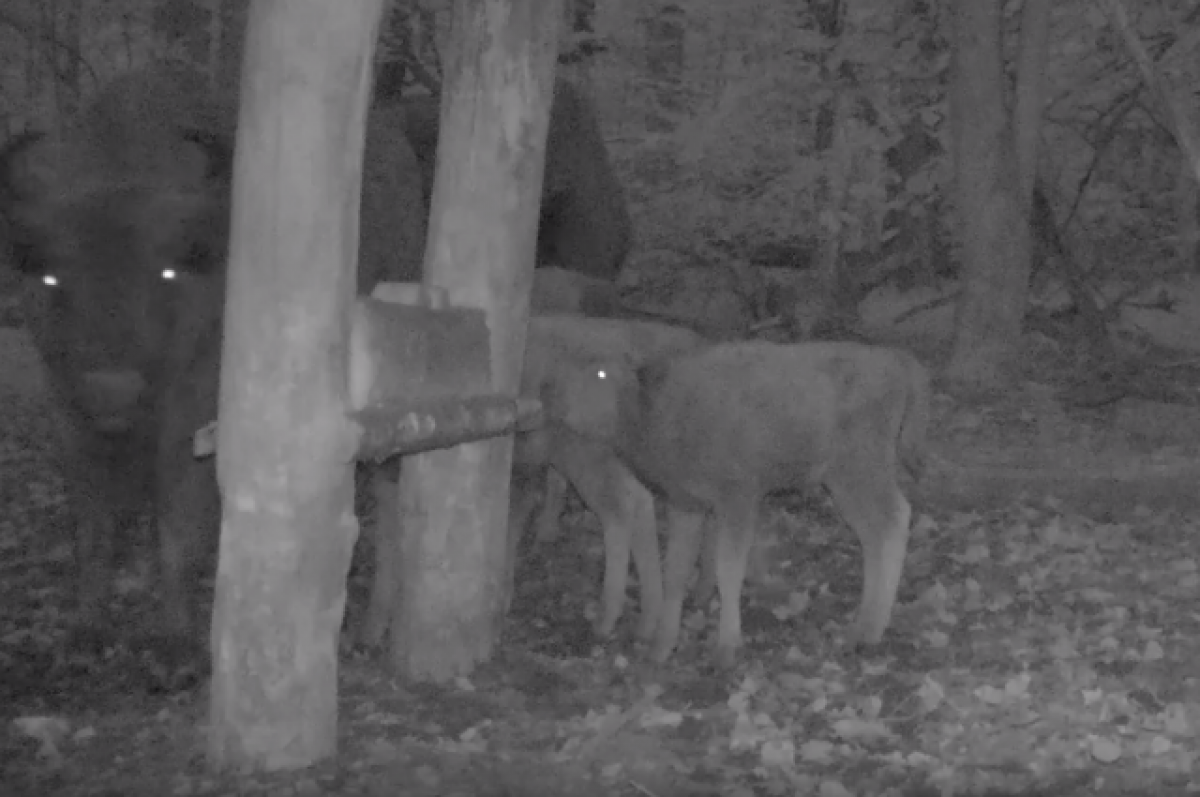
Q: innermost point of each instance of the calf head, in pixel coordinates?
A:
(108, 248)
(598, 399)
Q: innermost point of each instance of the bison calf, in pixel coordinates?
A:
(716, 430)
(556, 347)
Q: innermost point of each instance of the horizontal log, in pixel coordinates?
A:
(423, 426)
(441, 423)
(413, 294)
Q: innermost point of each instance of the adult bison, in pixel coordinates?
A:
(584, 225)
(121, 226)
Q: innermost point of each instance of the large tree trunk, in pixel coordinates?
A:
(286, 449)
(995, 232)
(482, 241)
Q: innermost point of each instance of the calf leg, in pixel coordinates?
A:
(734, 527)
(873, 506)
(626, 512)
(552, 507)
(636, 522)
(683, 543)
(758, 569)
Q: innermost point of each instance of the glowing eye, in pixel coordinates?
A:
(168, 274)
(50, 280)
(602, 374)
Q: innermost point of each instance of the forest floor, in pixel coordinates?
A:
(1045, 643)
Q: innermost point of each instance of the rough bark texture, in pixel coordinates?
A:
(286, 451)
(995, 234)
(1031, 92)
(495, 115)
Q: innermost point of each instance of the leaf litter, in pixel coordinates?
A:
(1034, 651)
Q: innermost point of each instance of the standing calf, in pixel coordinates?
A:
(716, 430)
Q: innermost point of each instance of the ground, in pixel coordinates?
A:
(1045, 644)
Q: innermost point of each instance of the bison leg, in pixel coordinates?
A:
(552, 507)
(95, 529)
(872, 505)
(734, 527)
(629, 526)
(189, 517)
(683, 544)
(626, 512)
(639, 504)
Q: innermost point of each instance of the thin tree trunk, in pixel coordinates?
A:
(495, 110)
(995, 233)
(1178, 120)
(1031, 94)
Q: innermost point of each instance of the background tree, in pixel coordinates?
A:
(995, 231)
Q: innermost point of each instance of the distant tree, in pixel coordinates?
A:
(993, 222)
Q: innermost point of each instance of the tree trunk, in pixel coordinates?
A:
(665, 37)
(1031, 96)
(1187, 204)
(285, 453)
(482, 240)
(995, 233)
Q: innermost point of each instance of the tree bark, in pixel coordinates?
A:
(1031, 95)
(995, 233)
(1187, 210)
(482, 240)
(286, 449)
(69, 58)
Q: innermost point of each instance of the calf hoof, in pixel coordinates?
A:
(647, 625)
(604, 627)
(703, 593)
(661, 650)
(865, 632)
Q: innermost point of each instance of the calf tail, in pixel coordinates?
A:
(915, 423)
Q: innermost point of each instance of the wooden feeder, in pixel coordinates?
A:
(420, 377)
